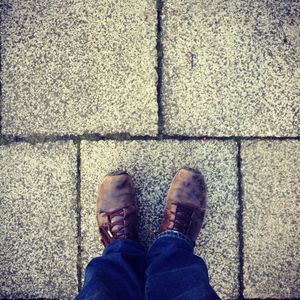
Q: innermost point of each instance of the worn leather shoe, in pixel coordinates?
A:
(185, 204)
(116, 209)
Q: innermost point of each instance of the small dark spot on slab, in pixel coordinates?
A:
(191, 59)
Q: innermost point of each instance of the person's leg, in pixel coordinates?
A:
(117, 274)
(174, 272)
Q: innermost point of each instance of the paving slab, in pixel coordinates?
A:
(73, 67)
(152, 165)
(231, 67)
(38, 253)
(271, 179)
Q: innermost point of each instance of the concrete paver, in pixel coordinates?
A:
(152, 165)
(38, 252)
(76, 67)
(231, 67)
(271, 219)
(73, 67)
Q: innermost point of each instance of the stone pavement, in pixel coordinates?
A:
(88, 87)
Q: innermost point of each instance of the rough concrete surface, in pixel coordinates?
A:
(152, 165)
(231, 67)
(38, 252)
(271, 179)
(79, 67)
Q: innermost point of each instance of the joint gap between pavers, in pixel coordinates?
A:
(78, 201)
(159, 67)
(240, 228)
(232, 137)
(36, 139)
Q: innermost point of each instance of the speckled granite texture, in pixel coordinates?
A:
(231, 67)
(152, 165)
(38, 252)
(271, 179)
(79, 73)
(73, 67)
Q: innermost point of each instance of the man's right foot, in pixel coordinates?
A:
(186, 203)
(116, 208)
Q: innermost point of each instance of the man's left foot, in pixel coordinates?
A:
(186, 203)
(116, 208)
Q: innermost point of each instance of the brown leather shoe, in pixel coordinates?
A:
(116, 208)
(186, 203)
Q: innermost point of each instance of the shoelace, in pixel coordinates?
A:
(120, 232)
(183, 216)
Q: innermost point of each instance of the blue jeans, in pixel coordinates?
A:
(169, 270)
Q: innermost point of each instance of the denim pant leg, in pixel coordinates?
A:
(117, 274)
(174, 272)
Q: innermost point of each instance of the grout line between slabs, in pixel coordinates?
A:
(159, 67)
(34, 139)
(78, 200)
(240, 228)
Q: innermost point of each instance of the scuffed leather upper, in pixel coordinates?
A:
(116, 208)
(186, 203)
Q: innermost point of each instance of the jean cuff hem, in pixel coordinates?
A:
(177, 235)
